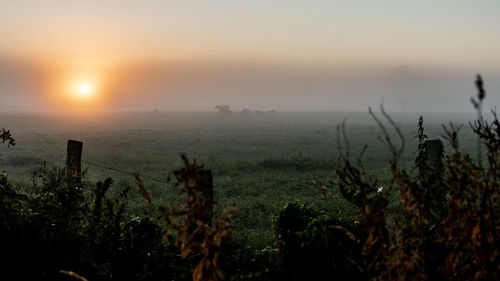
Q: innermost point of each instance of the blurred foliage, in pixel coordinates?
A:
(196, 236)
(439, 222)
(446, 224)
(313, 246)
(6, 137)
(66, 224)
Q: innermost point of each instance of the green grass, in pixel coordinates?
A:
(257, 161)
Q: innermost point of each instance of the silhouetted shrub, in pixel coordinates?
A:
(313, 246)
(196, 236)
(448, 227)
(68, 224)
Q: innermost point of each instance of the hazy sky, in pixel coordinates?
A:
(288, 55)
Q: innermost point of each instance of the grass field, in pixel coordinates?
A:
(258, 161)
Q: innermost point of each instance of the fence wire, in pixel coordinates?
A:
(280, 181)
(303, 181)
(122, 171)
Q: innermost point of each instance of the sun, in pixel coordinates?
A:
(80, 85)
(84, 90)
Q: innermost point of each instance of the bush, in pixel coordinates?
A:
(446, 225)
(313, 246)
(68, 224)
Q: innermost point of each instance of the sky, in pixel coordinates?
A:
(261, 55)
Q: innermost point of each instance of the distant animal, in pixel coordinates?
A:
(223, 108)
(245, 111)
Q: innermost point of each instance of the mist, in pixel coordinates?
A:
(200, 85)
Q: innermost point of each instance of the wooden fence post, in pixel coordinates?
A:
(434, 150)
(74, 157)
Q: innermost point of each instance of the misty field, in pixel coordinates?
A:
(258, 161)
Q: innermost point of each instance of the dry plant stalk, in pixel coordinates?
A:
(197, 236)
(471, 231)
(466, 231)
(362, 191)
(73, 275)
(142, 188)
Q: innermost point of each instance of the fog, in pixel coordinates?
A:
(200, 85)
(262, 55)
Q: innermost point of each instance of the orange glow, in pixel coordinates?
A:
(81, 90)
(85, 91)
(80, 85)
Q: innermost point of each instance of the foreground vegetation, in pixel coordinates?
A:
(257, 162)
(428, 219)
